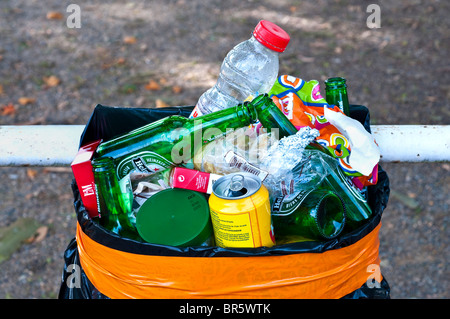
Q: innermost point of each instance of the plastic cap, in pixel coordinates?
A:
(271, 36)
(175, 217)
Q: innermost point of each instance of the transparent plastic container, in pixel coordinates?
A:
(248, 70)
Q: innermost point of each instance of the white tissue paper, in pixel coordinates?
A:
(365, 153)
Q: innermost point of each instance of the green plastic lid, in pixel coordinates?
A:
(175, 217)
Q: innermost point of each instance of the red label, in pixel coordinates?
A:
(193, 180)
(82, 171)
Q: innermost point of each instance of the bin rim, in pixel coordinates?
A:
(378, 198)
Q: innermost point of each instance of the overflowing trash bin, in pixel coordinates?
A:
(279, 195)
(110, 266)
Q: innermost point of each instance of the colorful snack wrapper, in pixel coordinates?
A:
(303, 105)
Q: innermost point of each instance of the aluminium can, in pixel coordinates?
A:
(240, 212)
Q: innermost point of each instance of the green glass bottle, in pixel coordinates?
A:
(311, 214)
(175, 139)
(336, 93)
(320, 171)
(358, 210)
(114, 207)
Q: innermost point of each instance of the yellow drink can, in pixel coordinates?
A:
(240, 212)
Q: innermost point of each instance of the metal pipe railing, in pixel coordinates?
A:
(39, 145)
(56, 145)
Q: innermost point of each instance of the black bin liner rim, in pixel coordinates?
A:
(107, 122)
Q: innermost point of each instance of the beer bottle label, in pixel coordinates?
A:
(283, 205)
(146, 162)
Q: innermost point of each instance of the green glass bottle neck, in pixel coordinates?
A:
(261, 108)
(336, 93)
(107, 187)
(270, 116)
(336, 83)
(234, 117)
(102, 165)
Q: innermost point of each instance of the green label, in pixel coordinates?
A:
(285, 205)
(146, 162)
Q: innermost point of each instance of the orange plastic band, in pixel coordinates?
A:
(331, 274)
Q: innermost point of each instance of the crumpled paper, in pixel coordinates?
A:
(365, 152)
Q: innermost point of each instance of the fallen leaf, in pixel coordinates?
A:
(54, 15)
(129, 40)
(412, 195)
(152, 85)
(161, 103)
(26, 100)
(51, 80)
(29, 196)
(177, 89)
(31, 173)
(106, 65)
(305, 59)
(140, 101)
(39, 235)
(109, 64)
(120, 60)
(318, 44)
(62, 105)
(52, 169)
(8, 109)
(1, 89)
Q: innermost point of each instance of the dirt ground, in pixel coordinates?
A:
(167, 52)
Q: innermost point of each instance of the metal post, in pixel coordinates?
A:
(57, 145)
(413, 143)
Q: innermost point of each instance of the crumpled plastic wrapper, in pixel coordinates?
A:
(287, 153)
(291, 167)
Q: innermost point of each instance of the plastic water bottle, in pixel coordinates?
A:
(248, 70)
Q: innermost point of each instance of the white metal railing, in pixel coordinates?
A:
(56, 145)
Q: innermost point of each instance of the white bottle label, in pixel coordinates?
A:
(234, 160)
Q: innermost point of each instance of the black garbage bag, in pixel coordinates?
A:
(99, 278)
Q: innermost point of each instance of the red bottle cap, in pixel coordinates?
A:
(271, 36)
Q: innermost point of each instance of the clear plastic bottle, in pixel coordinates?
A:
(248, 70)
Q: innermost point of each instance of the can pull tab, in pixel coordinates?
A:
(236, 188)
